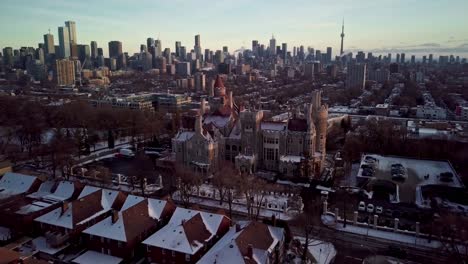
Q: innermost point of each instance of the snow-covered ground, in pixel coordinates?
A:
(417, 173)
(239, 208)
(322, 252)
(91, 257)
(392, 236)
(284, 204)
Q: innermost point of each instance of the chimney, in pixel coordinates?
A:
(238, 227)
(183, 222)
(273, 220)
(250, 251)
(115, 216)
(64, 207)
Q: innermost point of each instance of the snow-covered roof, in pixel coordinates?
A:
(85, 211)
(156, 208)
(44, 189)
(108, 196)
(216, 120)
(57, 218)
(117, 230)
(184, 135)
(15, 183)
(92, 257)
(291, 158)
(229, 249)
(64, 191)
(173, 236)
(236, 131)
(131, 201)
(275, 126)
(106, 228)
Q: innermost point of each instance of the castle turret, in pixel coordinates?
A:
(320, 117)
(202, 107)
(198, 125)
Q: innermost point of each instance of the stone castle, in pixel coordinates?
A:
(294, 148)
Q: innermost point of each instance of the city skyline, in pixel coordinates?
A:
(401, 28)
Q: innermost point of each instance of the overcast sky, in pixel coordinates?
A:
(382, 26)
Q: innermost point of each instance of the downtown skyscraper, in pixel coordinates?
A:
(49, 44)
(64, 43)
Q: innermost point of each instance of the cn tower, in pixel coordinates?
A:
(342, 38)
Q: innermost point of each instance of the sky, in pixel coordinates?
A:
(379, 26)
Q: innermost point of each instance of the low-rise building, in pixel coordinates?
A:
(121, 233)
(248, 242)
(187, 237)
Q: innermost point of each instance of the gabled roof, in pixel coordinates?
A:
(64, 191)
(187, 231)
(78, 212)
(233, 247)
(184, 135)
(137, 215)
(108, 196)
(15, 183)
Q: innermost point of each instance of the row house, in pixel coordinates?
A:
(19, 213)
(71, 218)
(248, 242)
(187, 237)
(120, 234)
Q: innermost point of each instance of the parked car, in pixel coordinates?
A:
(125, 152)
(362, 206)
(370, 208)
(379, 209)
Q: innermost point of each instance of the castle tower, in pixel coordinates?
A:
(199, 125)
(250, 131)
(309, 147)
(320, 117)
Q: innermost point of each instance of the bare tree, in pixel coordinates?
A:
(309, 222)
(188, 183)
(225, 181)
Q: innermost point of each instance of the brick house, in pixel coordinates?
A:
(19, 213)
(248, 242)
(14, 184)
(121, 234)
(71, 218)
(187, 236)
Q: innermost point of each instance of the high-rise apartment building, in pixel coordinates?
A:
(178, 44)
(150, 42)
(49, 47)
(115, 49)
(8, 56)
(356, 76)
(64, 42)
(65, 72)
(273, 45)
(329, 55)
(94, 50)
(71, 26)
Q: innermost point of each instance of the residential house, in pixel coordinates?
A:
(187, 236)
(121, 233)
(248, 242)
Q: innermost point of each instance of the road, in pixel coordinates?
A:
(352, 247)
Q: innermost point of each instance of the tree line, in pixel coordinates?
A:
(33, 130)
